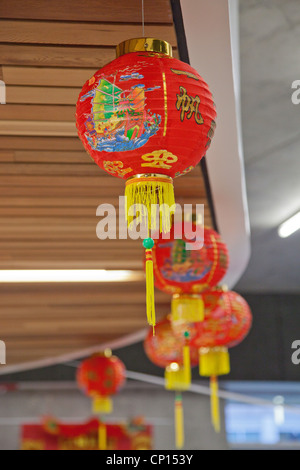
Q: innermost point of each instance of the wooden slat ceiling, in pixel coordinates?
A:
(50, 188)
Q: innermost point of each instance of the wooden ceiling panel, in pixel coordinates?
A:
(56, 56)
(50, 188)
(95, 11)
(41, 95)
(78, 34)
(47, 76)
(33, 112)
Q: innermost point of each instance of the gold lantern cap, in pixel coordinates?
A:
(144, 45)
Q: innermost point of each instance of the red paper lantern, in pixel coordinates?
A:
(146, 117)
(181, 271)
(101, 376)
(187, 273)
(226, 322)
(166, 346)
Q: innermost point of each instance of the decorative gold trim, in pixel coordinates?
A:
(187, 296)
(184, 72)
(165, 103)
(150, 175)
(144, 45)
(217, 349)
(106, 353)
(215, 263)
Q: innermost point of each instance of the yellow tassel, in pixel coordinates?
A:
(214, 361)
(150, 301)
(102, 405)
(179, 422)
(102, 437)
(187, 364)
(187, 308)
(154, 194)
(214, 404)
(179, 378)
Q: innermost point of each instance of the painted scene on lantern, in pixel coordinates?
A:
(184, 265)
(118, 120)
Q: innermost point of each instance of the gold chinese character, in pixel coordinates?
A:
(187, 105)
(159, 159)
(116, 167)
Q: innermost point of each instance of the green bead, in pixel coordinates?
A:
(148, 243)
(186, 334)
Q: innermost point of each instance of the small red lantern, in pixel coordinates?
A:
(187, 273)
(166, 346)
(227, 322)
(101, 376)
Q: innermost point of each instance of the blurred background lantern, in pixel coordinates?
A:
(187, 273)
(135, 117)
(227, 321)
(172, 351)
(101, 376)
(166, 346)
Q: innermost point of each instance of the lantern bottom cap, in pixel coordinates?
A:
(148, 176)
(187, 308)
(214, 361)
(102, 404)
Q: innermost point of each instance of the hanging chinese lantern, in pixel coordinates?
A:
(166, 346)
(172, 351)
(227, 321)
(187, 273)
(101, 376)
(146, 117)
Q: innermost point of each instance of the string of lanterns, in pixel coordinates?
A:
(213, 318)
(148, 118)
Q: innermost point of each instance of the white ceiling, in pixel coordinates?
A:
(214, 52)
(269, 38)
(270, 62)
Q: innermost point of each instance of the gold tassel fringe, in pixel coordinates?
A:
(214, 404)
(179, 421)
(102, 437)
(187, 308)
(156, 196)
(150, 300)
